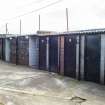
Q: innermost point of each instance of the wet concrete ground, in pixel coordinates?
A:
(20, 85)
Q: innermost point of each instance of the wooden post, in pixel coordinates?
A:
(67, 19)
(20, 27)
(39, 22)
(6, 28)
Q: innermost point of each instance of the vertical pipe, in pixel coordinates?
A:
(102, 60)
(77, 58)
(82, 57)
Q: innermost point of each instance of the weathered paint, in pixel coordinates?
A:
(13, 51)
(78, 47)
(23, 50)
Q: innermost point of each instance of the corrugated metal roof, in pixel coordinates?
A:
(86, 31)
(78, 32)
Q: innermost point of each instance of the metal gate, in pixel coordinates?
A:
(53, 54)
(70, 56)
(92, 58)
(42, 53)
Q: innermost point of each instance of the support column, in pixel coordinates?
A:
(62, 55)
(102, 60)
(77, 58)
(58, 55)
(47, 54)
(82, 57)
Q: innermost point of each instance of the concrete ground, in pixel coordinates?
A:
(25, 86)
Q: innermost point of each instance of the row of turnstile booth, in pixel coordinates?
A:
(79, 55)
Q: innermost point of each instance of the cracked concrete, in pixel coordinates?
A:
(21, 85)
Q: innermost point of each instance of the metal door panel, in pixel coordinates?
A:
(42, 53)
(3, 49)
(13, 51)
(53, 54)
(70, 56)
(23, 51)
(92, 58)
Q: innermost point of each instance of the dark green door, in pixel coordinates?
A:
(92, 58)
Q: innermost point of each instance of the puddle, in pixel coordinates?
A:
(78, 100)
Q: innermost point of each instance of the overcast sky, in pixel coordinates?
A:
(83, 14)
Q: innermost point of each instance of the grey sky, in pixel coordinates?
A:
(83, 14)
